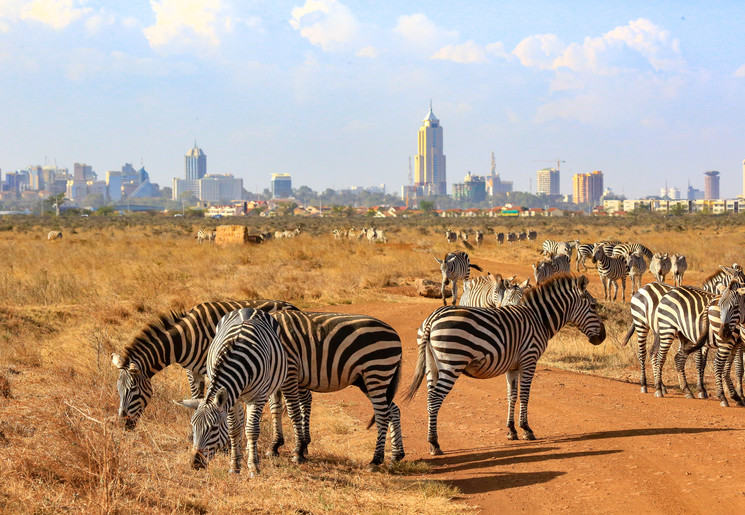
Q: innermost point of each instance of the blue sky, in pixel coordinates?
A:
(333, 92)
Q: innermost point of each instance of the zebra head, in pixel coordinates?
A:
(584, 313)
(135, 390)
(209, 424)
(731, 309)
(598, 251)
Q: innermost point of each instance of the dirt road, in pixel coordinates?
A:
(602, 447)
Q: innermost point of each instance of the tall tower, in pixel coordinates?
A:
(196, 163)
(548, 182)
(711, 185)
(429, 165)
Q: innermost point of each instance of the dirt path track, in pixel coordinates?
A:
(602, 446)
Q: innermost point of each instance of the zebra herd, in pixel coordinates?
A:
(371, 234)
(452, 236)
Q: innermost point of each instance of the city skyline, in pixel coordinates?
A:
(331, 91)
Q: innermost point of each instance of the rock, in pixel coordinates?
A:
(431, 289)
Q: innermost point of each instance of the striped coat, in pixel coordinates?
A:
(678, 267)
(454, 267)
(624, 250)
(637, 267)
(584, 251)
(486, 343)
(54, 235)
(660, 266)
(550, 267)
(610, 270)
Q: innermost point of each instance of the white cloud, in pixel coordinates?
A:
(368, 51)
(184, 24)
(56, 13)
(539, 51)
(96, 22)
(740, 72)
(468, 52)
(420, 31)
(325, 23)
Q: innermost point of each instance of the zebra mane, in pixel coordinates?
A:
(537, 291)
(714, 275)
(163, 322)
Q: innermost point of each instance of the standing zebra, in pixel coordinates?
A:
(479, 238)
(695, 315)
(54, 235)
(205, 235)
(550, 267)
(678, 267)
(451, 236)
(610, 270)
(660, 266)
(500, 238)
(637, 267)
(626, 249)
(245, 362)
(181, 338)
(508, 340)
(456, 265)
(485, 291)
(328, 352)
(511, 237)
(532, 235)
(584, 251)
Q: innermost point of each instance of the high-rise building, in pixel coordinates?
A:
(281, 185)
(671, 193)
(220, 188)
(587, 188)
(711, 185)
(548, 182)
(196, 163)
(430, 167)
(84, 172)
(472, 189)
(114, 185)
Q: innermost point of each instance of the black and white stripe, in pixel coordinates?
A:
(245, 362)
(556, 264)
(486, 343)
(584, 251)
(637, 267)
(479, 238)
(626, 249)
(660, 266)
(181, 338)
(328, 352)
(610, 270)
(54, 235)
(678, 267)
(454, 267)
(500, 238)
(205, 235)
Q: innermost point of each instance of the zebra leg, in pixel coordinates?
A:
(614, 282)
(236, 421)
(382, 420)
(720, 360)
(736, 397)
(680, 365)
(252, 435)
(442, 289)
(306, 400)
(278, 438)
(738, 370)
(511, 376)
(455, 291)
(659, 362)
(623, 291)
(394, 428)
(291, 393)
(700, 359)
(526, 378)
(641, 353)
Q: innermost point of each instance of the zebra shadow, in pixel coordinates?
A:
(650, 431)
(482, 460)
(503, 481)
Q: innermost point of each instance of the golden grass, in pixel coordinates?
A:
(65, 307)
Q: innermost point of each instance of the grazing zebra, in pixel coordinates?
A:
(626, 249)
(584, 251)
(551, 247)
(486, 343)
(463, 235)
(550, 267)
(522, 236)
(637, 267)
(511, 237)
(338, 235)
(245, 362)
(532, 235)
(479, 238)
(643, 306)
(451, 236)
(660, 266)
(695, 315)
(54, 235)
(678, 267)
(181, 338)
(610, 270)
(328, 352)
(455, 266)
(489, 291)
(500, 238)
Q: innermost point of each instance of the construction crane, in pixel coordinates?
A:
(558, 162)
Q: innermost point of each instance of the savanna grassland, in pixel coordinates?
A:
(66, 305)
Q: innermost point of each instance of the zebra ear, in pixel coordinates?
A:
(191, 404)
(221, 399)
(721, 288)
(117, 360)
(438, 260)
(582, 282)
(728, 270)
(525, 283)
(134, 369)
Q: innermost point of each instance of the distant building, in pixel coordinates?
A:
(587, 187)
(671, 193)
(494, 184)
(196, 163)
(694, 193)
(473, 189)
(84, 172)
(711, 185)
(114, 185)
(430, 171)
(181, 186)
(281, 185)
(548, 182)
(220, 188)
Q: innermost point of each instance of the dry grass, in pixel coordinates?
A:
(65, 306)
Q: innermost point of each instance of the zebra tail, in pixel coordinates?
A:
(477, 267)
(390, 393)
(703, 339)
(655, 345)
(425, 348)
(628, 334)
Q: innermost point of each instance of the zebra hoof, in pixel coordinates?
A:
(724, 404)
(253, 472)
(659, 394)
(435, 451)
(664, 389)
(689, 395)
(528, 435)
(703, 395)
(397, 457)
(512, 435)
(644, 389)
(740, 404)
(299, 459)
(234, 471)
(271, 453)
(373, 467)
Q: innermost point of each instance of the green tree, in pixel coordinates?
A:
(426, 206)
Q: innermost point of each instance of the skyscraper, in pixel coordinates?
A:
(548, 182)
(430, 166)
(711, 185)
(587, 187)
(281, 185)
(196, 163)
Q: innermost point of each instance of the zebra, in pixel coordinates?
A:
(54, 235)
(511, 237)
(205, 234)
(486, 343)
(552, 247)
(489, 291)
(660, 266)
(522, 236)
(245, 362)
(456, 265)
(610, 270)
(609, 246)
(500, 238)
(550, 267)
(328, 352)
(532, 235)
(584, 251)
(479, 238)
(338, 235)
(463, 235)
(678, 267)
(695, 315)
(643, 306)
(637, 266)
(181, 338)
(451, 236)
(626, 249)
(514, 293)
